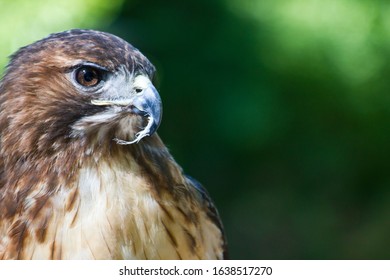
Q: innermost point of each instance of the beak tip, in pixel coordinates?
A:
(149, 106)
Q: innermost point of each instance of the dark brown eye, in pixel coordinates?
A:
(88, 76)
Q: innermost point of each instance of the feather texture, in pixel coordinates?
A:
(67, 190)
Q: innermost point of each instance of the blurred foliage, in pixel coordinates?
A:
(23, 22)
(280, 108)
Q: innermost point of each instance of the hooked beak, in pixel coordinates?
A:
(145, 103)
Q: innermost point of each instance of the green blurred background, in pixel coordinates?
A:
(280, 108)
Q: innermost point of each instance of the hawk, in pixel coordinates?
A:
(83, 174)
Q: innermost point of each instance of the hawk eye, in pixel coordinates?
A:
(88, 76)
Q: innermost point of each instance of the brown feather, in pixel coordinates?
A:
(67, 190)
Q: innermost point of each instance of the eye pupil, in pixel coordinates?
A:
(88, 76)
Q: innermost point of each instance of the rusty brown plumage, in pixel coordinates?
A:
(74, 184)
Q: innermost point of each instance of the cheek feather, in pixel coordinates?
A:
(107, 126)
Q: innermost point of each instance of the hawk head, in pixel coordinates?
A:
(70, 186)
(78, 84)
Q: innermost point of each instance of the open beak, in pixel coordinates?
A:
(145, 103)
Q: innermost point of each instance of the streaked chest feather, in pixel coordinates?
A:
(114, 213)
